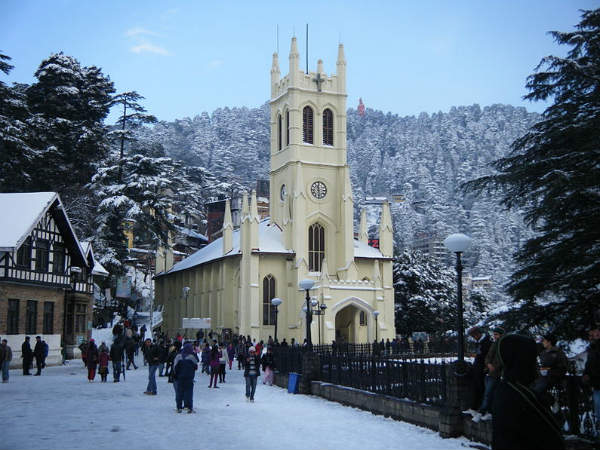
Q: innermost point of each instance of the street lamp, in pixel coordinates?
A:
(307, 285)
(458, 243)
(276, 302)
(318, 309)
(375, 314)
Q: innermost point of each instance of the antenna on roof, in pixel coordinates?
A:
(306, 48)
(277, 38)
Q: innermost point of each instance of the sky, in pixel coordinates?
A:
(187, 57)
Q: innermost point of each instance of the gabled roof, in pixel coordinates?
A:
(97, 268)
(21, 212)
(270, 240)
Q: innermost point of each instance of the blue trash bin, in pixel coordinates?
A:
(293, 380)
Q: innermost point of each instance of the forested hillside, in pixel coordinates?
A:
(424, 158)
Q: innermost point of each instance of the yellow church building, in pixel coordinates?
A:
(309, 234)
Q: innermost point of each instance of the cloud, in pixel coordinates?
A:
(149, 48)
(139, 31)
(215, 64)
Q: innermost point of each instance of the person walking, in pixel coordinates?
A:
(6, 359)
(205, 359)
(116, 355)
(130, 347)
(184, 369)
(223, 357)
(251, 373)
(92, 360)
(214, 366)
(103, 358)
(152, 356)
(38, 353)
(230, 353)
(268, 364)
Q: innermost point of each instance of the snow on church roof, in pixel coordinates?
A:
(270, 239)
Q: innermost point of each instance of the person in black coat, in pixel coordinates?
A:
(117, 351)
(484, 342)
(26, 355)
(519, 419)
(38, 353)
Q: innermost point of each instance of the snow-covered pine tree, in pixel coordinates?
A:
(552, 176)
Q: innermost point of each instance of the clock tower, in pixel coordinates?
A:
(311, 196)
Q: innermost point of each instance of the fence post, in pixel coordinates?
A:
(458, 397)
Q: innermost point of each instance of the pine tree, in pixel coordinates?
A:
(552, 175)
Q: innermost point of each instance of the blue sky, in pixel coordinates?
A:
(187, 57)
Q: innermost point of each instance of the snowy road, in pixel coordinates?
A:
(61, 410)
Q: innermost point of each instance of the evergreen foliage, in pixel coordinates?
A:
(552, 175)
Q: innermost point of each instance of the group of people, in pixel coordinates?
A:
(512, 375)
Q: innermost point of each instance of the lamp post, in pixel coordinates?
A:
(307, 285)
(376, 314)
(318, 310)
(276, 302)
(186, 292)
(458, 243)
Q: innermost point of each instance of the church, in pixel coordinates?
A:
(309, 235)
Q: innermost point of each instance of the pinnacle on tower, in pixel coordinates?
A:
(341, 68)
(294, 60)
(227, 229)
(275, 74)
(320, 66)
(363, 236)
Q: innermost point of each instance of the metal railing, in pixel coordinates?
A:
(572, 406)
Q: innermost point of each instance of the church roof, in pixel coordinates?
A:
(271, 240)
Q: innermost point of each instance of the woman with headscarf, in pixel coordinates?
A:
(184, 369)
(92, 360)
(519, 419)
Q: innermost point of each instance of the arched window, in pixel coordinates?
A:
(287, 128)
(268, 295)
(278, 131)
(307, 120)
(327, 127)
(316, 247)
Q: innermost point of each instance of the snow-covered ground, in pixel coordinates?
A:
(61, 410)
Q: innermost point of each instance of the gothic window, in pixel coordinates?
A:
(287, 128)
(58, 259)
(48, 318)
(42, 254)
(307, 118)
(278, 131)
(12, 320)
(363, 318)
(268, 295)
(327, 127)
(31, 317)
(24, 254)
(316, 247)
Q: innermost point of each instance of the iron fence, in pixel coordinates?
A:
(572, 406)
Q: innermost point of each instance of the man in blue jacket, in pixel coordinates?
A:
(184, 368)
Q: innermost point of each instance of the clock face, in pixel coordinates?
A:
(283, 192)
(318, 190)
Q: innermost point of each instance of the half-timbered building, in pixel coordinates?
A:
(46, 284)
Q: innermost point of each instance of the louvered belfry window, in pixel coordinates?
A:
(279, 132)
(316, 247)
(327, 127)
(307, 118)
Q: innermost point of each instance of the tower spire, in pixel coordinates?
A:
(275, 75)
(227, 229)
(341, 68)
(294, 61)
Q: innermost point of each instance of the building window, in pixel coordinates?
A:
(58, 259)
(287, 128)
(31, 317)
(48, 318)
(268, 295)
(307, 117)
(24, 254)
(363, 318)
(316, 247)
(279, 131)
(80, 318)
(42, 255)
(327, 127)
(12, 319)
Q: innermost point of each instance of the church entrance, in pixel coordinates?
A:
(345, 325)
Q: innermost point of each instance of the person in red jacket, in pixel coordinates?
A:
(103, 359)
